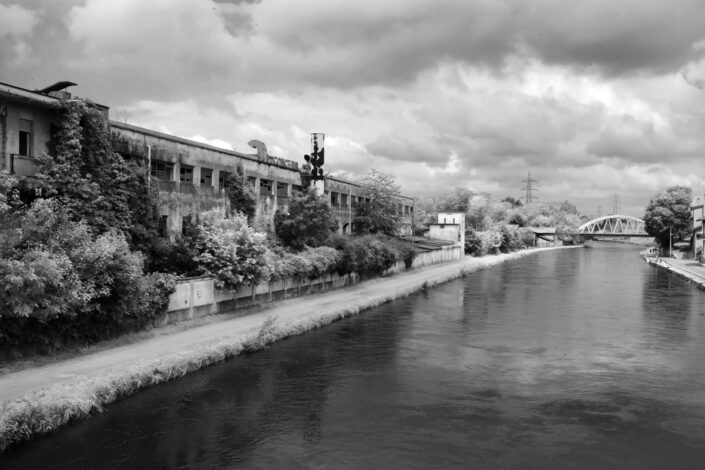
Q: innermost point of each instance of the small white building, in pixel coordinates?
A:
(450, 227)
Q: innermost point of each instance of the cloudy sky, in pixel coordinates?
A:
(595, 98)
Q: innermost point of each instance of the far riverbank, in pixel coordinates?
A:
(41, 399)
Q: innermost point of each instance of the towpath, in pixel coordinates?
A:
(688, 269)
(18, 384)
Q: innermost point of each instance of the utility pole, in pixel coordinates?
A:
(616, 201)
(529, 197)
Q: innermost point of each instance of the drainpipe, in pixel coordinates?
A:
(149, 163)
(3, 122)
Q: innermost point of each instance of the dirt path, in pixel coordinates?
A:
(305, 312)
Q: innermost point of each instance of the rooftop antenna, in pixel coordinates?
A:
(529, 195)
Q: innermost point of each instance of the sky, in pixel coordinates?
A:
(595, 98)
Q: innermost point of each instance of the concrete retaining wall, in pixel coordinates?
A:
(198, 297)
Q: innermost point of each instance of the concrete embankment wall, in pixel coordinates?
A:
(660, 263)
(198, 297)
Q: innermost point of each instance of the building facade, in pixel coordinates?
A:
(190, 175)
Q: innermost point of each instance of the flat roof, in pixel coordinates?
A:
(193, 143)
(27, 95)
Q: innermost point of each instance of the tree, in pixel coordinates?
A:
(513, 202)
(308, 223)
(669, 209)
(473, 243)
(457, 201)
(379, 211)
(478, 215)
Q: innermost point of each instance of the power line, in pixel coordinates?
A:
(529, 195)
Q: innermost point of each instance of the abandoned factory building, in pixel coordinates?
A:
(190, 175)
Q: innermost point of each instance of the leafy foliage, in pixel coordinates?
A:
(370, 255)
(308, 223)
(63, 284)
(473, 243)
(242, 197)
(381, 213)
(93, 183)
(669, 209)
(457, 201)
(310, 262)
(230, 250)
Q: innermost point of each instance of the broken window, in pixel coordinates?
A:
(161, 170)
(265, 187)
(206, 177)
(186, 175)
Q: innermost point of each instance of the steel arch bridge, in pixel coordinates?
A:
(614, 226)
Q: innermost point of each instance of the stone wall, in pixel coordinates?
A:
(198, 297)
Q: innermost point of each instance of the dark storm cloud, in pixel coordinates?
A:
(210, 47)
(616, 37)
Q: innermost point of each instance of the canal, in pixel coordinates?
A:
(580, 359)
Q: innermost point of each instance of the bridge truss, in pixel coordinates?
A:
(614, 226)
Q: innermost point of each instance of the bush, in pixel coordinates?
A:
(62, 285)
(510, 240)
(230, 251)
(309, 222)
(473, 243)
(370, 255)
(491, 241)
(311, 263)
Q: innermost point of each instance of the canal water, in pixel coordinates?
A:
(580, 359)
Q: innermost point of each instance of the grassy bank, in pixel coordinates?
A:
(52, 407)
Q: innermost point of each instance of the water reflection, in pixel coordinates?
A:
(570, 359)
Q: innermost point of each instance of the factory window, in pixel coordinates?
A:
(161, 170)
(265, 187)
(186, 175)
(25, 137)
(223, 179)
(206, 177)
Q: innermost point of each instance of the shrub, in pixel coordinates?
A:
(473, 243)
(230, 251)
(309, 222)
(491, 241)
(370, 255)
(63, 285)
(526, 236)
(312, 262)
(510, 240)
